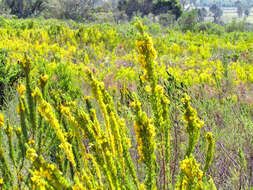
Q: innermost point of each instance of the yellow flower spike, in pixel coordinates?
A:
(46, 111)
(210, 150)
(36, 93)
(201, 123)
(61, 146)
(159, 89)
(18, 108)
(147, 60)
(43, 80)
(128, 142)
(31, 142)
(26, 63)
(140, 26)
(71, 103)
(31, 154)
(166, 101)
(209, 136)
(192, 124)
(142, 187)
(87, 98)
(145, 135)
(192, 176)
(185, 183)
(132, 104)
(21, 90)
(1, 120)
(18, 129)
(23, 62)
(148, 88)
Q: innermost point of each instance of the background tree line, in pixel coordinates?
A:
(186, 13)
(74, 9)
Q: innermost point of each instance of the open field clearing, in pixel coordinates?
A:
(230, 13)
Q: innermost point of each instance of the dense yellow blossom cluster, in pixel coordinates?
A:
(21, 90)
(46, 111)
(192, 124)
(145, 134)
(1, 120)
(192, 175)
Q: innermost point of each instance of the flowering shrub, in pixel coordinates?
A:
(77, 129)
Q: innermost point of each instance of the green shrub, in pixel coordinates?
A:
(188, 21)
(236, 26)
(210, 28)
(9, 74)
(166, 19)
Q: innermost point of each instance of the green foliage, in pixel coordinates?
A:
(188, 21)
(146, 7)
(9, 75)
(211, 28)
(202, 13)
(166, 19)
(24, 8)
(236, 26)
(217, 12)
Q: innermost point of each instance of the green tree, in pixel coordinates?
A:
(217, 12)
(164, 6)
(150, 6)
(240, 8)
(25, 8)
(129, 7)
(247, 12)
(74, 9)
(189, 20)
(202, 13)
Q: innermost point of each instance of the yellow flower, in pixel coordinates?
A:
(201, 123)
(31, 142)
(142, 187)
(148, 88)
(185, 182)
(44, 78)
(31, 154)
(18, 129)
(36, 93)
(61, 146)
(21, 89)
(128, 142)
(1, 120)
(18, 109)
(1, 181)
(144, 78)
(35, 178)
(192, 175)
(26, 63)
(209, 136)
(87, 98)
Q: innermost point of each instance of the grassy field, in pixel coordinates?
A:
(105, 106)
